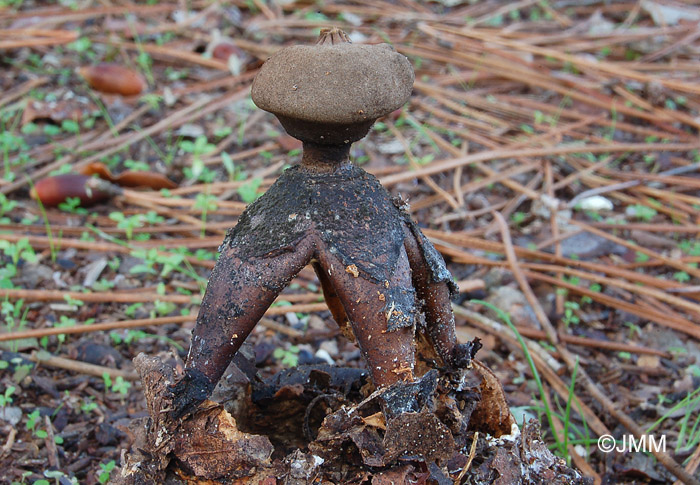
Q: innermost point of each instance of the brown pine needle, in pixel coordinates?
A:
(145, 322)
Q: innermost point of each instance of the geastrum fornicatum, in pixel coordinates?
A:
(383, 281)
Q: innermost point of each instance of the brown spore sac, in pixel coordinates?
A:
(331, 93)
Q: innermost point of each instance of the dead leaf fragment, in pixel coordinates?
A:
(652, 361)
(393, 476)
(376, 420)
(492, 415)
(418, 435)
(56, 111)
(224, 50)
(230, 453)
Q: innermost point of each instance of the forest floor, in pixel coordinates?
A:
(550, 151)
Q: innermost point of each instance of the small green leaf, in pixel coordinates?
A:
(249, 191)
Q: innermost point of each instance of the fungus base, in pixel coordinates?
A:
(316, 424)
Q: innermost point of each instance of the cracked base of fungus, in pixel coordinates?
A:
(326, 424)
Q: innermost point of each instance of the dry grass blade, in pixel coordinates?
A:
(35, 37)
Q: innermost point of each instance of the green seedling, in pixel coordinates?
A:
(106, 468)
(15, 317)
(6, 397)
(6, 206)
(205, 203)
(199, 147)
(72, 205)
(643, 212)
(88, 405)
(128, 223)
(570, 316)
(249, 191)
(118, 385)
(288, 357)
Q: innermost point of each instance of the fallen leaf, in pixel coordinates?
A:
(151, 180)
(492, 414)
(376, 420)
(230, 453)
(55, 111)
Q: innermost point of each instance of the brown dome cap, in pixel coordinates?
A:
(333, 83)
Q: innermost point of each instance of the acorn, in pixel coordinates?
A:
(114, 79)
(52, 191)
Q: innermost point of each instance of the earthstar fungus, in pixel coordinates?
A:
(384, 282)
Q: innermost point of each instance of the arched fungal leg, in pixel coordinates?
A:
(330, 295)
(239, 292)
(381, 314)
(434, 292)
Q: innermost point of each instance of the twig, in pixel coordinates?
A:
(80, 367)
(99, 297)
(146, 297)
(670, 262)
(50, 443)
(593, 343)
(9, 442)
(22, 89)
(40, 37)
(146, 322)
(609, 68)
(470, 458)
(167, 52)
(542, 318)
(195, 110)
(628, 184)
(693, 463)
(42, 241)
(414, 164)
